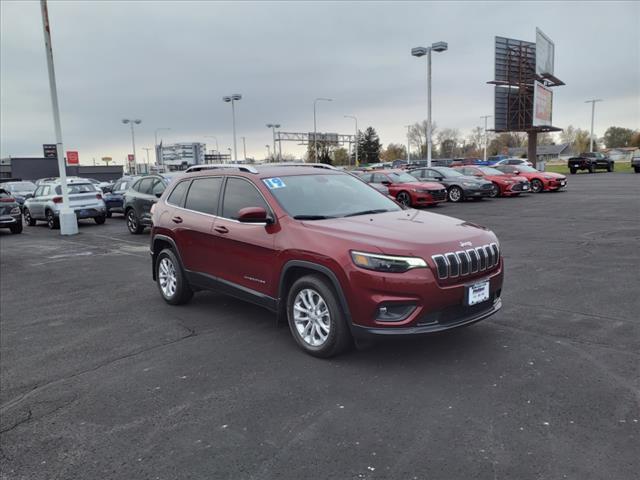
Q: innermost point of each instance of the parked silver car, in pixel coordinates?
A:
(84, 198)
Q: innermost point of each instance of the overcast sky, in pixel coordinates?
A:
(169, 64)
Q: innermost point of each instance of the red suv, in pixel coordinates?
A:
(328, 253)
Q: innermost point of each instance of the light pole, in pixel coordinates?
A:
(147, 150)
(133, 135)
(233, 98)
(419, 52)
(273, 127)
(268, 151)
(155, 136)
(315, 131)
(67, 217)
(356, 138)
(408, 143)
(244, 146)
(485, 135)
(593, 114)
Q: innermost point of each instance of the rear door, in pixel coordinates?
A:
(144, 199)
(36, 205)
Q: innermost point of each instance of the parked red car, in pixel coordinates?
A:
(326, 252)
(540, 181)
(406, 188)
(504, 185)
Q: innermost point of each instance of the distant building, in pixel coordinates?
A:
(33, 168)
(545, 152)
(179, 156)
(622, 154)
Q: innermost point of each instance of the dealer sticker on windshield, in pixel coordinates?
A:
(274, 183)
(478, 293)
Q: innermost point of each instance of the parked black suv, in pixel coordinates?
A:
(590, 161)
(635, 164)
(139, 198)
(10, 213)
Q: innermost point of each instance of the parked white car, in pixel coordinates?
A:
(514, 161)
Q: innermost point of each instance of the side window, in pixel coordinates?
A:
(379, 178)
(240, 194)
(177, 195)
(419, 173)
(158, 187)
(38, 192)
(144, 185)
(46, 190)
(203, 195)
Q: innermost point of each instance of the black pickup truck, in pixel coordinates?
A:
(635, 164)
(590, 161)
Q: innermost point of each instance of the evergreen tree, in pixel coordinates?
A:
(369, 146)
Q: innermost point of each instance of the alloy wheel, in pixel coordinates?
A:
(455, 194)
(311, 317)
(132, 222)
(51, 220)
(27, 217)
(536, 186)
(404, 199)
(167, 277)
(495, 190)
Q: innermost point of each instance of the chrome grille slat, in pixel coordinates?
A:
(467, 262)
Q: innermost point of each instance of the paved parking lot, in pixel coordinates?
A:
(101, 379)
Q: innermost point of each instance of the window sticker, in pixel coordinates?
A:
(274, 183)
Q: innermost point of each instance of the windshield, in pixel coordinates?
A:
(319, 196)
(490, 171)
(402, 177)
(21, 186)
(77, 188)
(525, 168)
(448, 172)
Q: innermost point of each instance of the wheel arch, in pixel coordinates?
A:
(159, 243)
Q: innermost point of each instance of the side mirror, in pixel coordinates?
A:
(158, 195)
(254, 215)
(439, 178)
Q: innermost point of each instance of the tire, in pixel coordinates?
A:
(636, 169)
(133, 223)
(455, 194)
(100, 220)
(610, 167)
(592, 169)
(109, 214)
(28, 219)
(169, 272)
(495, 191)
(573, 171)
(536, 186)
(52, 222)
(404, 198)
(328, 337)
(16, 228)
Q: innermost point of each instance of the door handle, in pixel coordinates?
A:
(177, 219)
(221, 229)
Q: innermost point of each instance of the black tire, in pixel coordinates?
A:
(100, 219)
(637, 170)
(16, 228)
(339, 337)
(573, 171)
(495, 191)
(455, 194)
(592, 169)
(610, 167)
(404, 199)
(52, 222)
(133, 222)
(183, 292)
(109, 214)
(28, 219)
(536, 186)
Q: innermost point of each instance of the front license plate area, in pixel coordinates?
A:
(477, 293)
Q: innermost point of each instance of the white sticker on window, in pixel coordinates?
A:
(274, 183)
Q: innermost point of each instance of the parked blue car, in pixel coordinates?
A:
(115, 198)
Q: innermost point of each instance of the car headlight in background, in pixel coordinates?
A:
(469, 184)
(386, 263)
(548, 178)
(15, 211)
(509, 182)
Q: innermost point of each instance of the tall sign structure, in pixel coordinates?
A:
(524, 77)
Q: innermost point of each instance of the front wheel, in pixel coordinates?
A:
(404, 198)
(16, 228)
(495, 191)
(455, 194)
(171, 279)
(133, 224)
(109, 214)
(100, 219)
(636, 169)
(28, 219)
(573, 171)
(592, 169)
(610, 167)
(316, 319)
(536, 186)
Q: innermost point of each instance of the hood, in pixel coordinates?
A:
(506, 176)
(470, 178)
(553, 174)
(421, 185)
(406, 232)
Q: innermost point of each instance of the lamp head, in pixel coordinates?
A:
(236, 96)
(418, 51)
(125, 121)
(439, 46)
(137, 122)
(226, 99)
(277, 125)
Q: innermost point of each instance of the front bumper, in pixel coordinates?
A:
(429, 197)
(471, 192)
(556, 184)
(7, 221)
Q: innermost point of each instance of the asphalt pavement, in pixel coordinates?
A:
(100, 379)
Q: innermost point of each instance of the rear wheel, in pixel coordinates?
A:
(455, 194)
(404, 198)
(52, 222)
(133, 224)
(495, 191)
(573, 171)
(610, 167)
(28, 219)
(109, 214)
(536, 186)
(316, 319)
(636, 169)
(100, 219)
(592, 169)
(172, 282)
(16, 228)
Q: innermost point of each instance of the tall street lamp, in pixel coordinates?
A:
(268, 151)
(233, 98)
(273, 127)
(315, 130)
(244, 146)
(408, 143)
(133, 135)
(593, 113)
(356, 138)
(216, 139)
(485, 135)
(155, 136)
(420, 52)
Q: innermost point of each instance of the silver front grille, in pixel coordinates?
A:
(466, 262)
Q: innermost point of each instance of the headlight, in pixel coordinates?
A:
(469, 184)
(15, 211)
(548, 178)
(509, 182)
(386, 263)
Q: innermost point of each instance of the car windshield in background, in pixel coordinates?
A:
(448, 172)
(21, 186)
(77, 188)
(402, 178)
(170, 177)
(491, 171)
(316, 197)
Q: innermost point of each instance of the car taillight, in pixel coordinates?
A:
(56, 199)
(7, 199)
(99, 196)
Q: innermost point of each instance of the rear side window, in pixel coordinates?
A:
(144, 185)
(240, 194)
(178, 194)
(158, 187)
(379, 178)
(203, 195)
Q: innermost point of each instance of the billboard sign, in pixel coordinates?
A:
(331, 138)
(542, 104)
(72, 158)
(131, 158)
(545, 51)
(49, 150)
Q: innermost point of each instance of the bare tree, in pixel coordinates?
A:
(418, 136)
(448, 140)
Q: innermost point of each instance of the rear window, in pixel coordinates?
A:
(177, 196)
(77, 188)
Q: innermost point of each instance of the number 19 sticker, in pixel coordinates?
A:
(274, 183)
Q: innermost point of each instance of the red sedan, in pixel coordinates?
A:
(540, 181)
(407, 189)
(503, 184)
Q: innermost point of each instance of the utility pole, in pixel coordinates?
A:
(485, 135)
(356, 138)
(147, 150)
(408, 143)
(244, 146)
(593, 113)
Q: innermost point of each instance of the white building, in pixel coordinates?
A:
(179, 156)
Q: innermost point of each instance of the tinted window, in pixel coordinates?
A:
(158, 187)
(144, 185)
(203, 195)
(76, 188)
(240, 194)
(419, 173)
(179, 192)
(379, 178)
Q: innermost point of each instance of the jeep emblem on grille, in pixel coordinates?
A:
(465, 244)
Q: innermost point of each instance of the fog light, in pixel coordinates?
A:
(394, 313)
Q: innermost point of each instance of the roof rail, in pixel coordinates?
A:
(299, 164)
(242, 168)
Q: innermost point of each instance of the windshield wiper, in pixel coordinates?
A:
(367, 212)
(311, 217)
